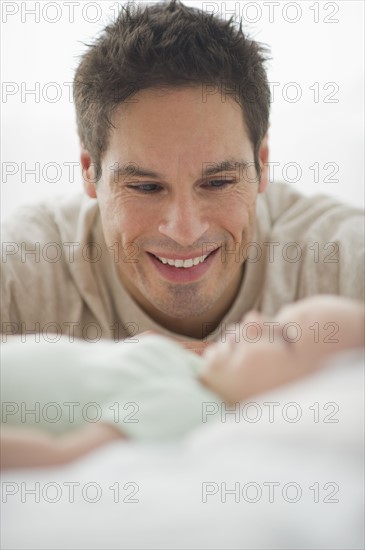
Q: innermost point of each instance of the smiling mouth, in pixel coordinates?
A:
(183, 270)
(184, 264)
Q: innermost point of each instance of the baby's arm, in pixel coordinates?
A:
(32, 448)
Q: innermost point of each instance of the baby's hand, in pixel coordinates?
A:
(196, 346)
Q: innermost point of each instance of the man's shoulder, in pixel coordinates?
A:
(59, 219)
(43, 261)
(289, 209)
(312, 244)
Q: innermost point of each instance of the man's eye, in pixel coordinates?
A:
(145, 187)
(218, 184)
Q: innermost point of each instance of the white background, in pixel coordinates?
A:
(311, 42)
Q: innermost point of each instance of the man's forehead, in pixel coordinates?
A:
(185, 141)
(187, 101)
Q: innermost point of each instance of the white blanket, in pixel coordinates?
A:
(293, 478)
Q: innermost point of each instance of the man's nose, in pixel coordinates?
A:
(183, 220)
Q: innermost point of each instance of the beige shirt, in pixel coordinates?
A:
(60, 279)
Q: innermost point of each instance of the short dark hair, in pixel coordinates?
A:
(168, 44)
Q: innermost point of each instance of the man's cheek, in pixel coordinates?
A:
(241, 229)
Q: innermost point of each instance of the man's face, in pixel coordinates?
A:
(178, 211)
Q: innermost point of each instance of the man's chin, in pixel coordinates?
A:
(182, 311)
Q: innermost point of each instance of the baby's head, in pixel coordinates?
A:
(275, 351)
(320, 325)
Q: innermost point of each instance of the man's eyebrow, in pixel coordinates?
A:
(132, 169)
(208, 169)
(229, 165)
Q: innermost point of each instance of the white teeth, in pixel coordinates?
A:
(183, 263)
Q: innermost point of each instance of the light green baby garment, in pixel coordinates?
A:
(147, 388)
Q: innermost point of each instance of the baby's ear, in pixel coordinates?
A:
(88, 173)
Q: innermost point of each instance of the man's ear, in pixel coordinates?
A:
(88, 173)
(264, 163)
